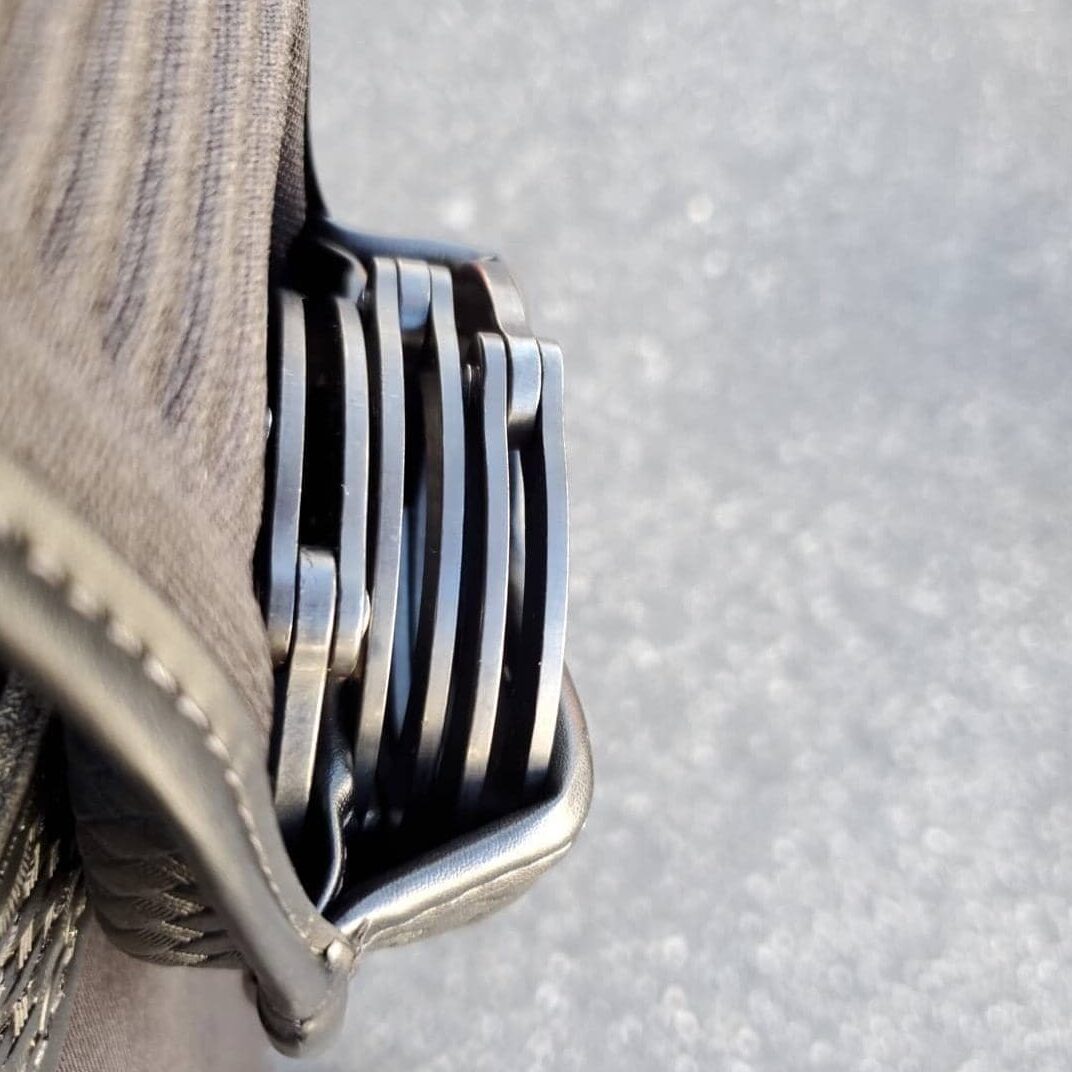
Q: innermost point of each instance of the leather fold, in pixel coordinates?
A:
(190, 863)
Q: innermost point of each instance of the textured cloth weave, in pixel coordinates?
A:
(150, 173)
(142, 142)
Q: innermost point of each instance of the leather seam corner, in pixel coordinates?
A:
(96, 611)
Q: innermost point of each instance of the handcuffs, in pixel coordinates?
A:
(430, 757)
(413, 569)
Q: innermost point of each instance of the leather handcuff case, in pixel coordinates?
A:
(158, 660)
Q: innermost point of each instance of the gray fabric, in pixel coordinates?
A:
(143, 141)
(138, 168)
(130, 1015)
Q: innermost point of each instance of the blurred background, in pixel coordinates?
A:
(810, 262)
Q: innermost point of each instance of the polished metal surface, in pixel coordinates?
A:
(451, 548)
(428, 737)
(488, 296)
(414, 298)
(440, 386)
(482, 655)
(517, 539)
(301, 696)
(286, 454)
(543, 643)
(352, 611)
(489, 299)
(389, 430)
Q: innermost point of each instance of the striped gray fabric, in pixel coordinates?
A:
(142, 143)
(150, 174)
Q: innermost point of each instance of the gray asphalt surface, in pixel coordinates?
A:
(810, 262)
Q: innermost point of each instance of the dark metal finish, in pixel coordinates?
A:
(543, 631)
(489, 299)
(466, 563)
(421, 733)
(413, 556)
(368, 246)
(333, 792)
(389, 430)
(414, 299)
(302, 693)
(286, 450)
(352, 612)
(477, 701)
(424, 731)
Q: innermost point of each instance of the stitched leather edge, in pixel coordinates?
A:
(123, 665)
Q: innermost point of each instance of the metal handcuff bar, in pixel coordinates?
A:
(322, 584)
(305, 676)
(479, 662)
(537, 671)
(485, 295)
(286, 411)
(514, 386)
(412, 761)
(386, 495)
(488, 297)
(476, 661)
(353, 602)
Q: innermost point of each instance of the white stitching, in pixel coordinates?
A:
(41, 564)
(159, 675)
(50, 569)
(84, 601)
(123, 639)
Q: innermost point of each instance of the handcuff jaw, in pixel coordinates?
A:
(450, 755)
